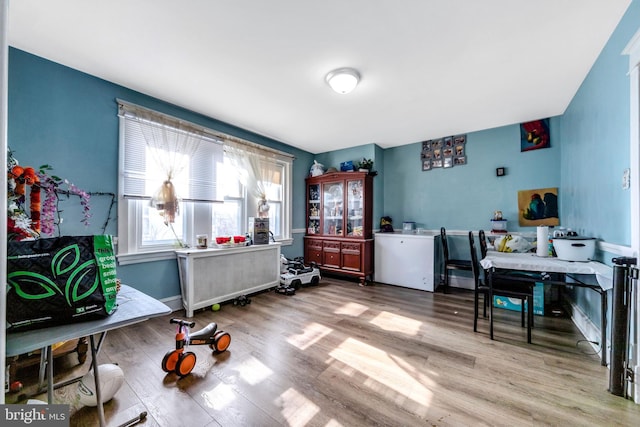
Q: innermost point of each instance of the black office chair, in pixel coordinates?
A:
(480, 287)
(483, 244)
(451, 264)
(506, 287)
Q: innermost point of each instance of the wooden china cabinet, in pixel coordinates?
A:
(339, 210)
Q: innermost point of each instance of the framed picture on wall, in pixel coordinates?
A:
(444, 152)
(459, 139)
(534, 135)
(538, 207)
(460, 160)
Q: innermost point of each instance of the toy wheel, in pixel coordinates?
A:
(295, 284)
(186, 363)
(221, 341)
(315, 280)
(169, 360)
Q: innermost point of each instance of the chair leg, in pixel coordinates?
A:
(485, 303)
(491, 315)
(475, 311)
(446, 280)
(530, 318)
(522, 312)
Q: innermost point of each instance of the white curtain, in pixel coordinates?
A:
(171, 147)
(256, 169)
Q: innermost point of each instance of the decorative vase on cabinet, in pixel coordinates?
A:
(339, 235)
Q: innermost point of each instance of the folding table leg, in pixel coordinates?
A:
(94, 357)
(49, 374)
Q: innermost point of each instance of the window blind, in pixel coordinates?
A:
(196, 182)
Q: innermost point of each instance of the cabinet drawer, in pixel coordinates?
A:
(332, 259)
(351, 260)
(314, 244)
(331, 246)
(350, 247)
(314, 256)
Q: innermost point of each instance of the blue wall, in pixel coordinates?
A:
(68, 119)
(465, 197)
(594, 133)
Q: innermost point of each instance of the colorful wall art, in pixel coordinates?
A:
(538, 207)
(534, 135)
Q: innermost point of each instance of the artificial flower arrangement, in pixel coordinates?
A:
(35, 218)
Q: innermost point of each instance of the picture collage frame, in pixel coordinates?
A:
(444, 152)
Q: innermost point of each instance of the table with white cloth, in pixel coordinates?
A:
(503, 265)
(133, 307)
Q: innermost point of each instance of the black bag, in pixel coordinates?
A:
(386, 225)
(59, 280)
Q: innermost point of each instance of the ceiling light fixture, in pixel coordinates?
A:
(343, 80)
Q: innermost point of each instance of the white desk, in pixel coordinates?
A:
(133, 307)
(500, 264)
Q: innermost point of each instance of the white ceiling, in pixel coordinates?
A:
(430, 68)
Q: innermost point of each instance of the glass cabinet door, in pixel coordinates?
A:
(332, 205)
(313, 210)
(354, 208)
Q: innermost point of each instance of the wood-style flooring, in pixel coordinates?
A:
(339, 354)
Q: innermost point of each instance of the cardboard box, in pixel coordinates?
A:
(514, 304)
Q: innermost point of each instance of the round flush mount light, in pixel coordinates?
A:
(343, 80)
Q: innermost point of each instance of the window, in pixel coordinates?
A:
(216, 178)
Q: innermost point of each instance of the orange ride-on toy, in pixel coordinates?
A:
(182, 362)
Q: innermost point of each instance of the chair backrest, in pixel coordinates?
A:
(475, 267)
(483, 243)
(445, 245)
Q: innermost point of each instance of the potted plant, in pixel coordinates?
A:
(365, 165)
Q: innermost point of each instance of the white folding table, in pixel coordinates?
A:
(501, 264)
(133, 307)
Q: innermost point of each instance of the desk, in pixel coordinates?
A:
(501, 264)
(133, 307)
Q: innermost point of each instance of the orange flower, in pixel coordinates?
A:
(16, 174)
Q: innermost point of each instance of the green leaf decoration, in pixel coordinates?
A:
(65, 260)
(25, 282)
(76, 280)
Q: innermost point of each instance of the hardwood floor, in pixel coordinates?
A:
(340, 354)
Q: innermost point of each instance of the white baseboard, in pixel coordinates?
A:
(589, 329)
(458, 282)
(174, 302)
